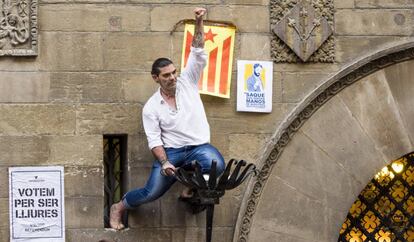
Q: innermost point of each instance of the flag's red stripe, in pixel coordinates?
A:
(225, 59)
(189, 39)
(211, 77)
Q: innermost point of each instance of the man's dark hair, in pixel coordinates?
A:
(159, 63)
(257, 65)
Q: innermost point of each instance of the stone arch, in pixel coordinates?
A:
(292, 126)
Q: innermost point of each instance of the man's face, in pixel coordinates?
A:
(167, 78)
(257, 71)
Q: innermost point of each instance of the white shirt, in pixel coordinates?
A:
(187, 125)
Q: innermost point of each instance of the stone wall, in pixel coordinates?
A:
(91, 77)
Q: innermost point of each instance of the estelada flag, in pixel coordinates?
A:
(219, 44)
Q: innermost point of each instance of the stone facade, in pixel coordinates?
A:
(92, 77)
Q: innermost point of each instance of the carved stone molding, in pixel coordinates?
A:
(18, 27)
(298, 38)
(302, 113)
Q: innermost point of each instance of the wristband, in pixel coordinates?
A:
(162, 162)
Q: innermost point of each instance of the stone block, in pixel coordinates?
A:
(353, 149)
(373, 22)
(384, 4)
(344, 4)
(309, 170)
(247, 2)
(86, 87)
(84, 181)
(18, 64)
(163, 18)
(221, 120)
(351, 48)
(371, 102)
(221, 142)
(138, 87)
(283, 209)
(76, 150)
(254, 47)
(4, 215)
(297, 85)
(23, 151)
(135, 51)
(225, 213)
(28, 119)
(84, 212)
(242, 17)
(145, 216)
(139, 155)
(26, 87)
(248, 147)
(399, 78)
(128, 235)
(94, 18)
(220, 234)
(4, 182)
(4, 234)
(108, 119)
(71, 51)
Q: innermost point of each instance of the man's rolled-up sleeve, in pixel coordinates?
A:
(152, 129)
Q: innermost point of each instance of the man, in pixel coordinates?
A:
(176, 127)
(254, 82)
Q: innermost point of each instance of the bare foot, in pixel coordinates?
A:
(115, 216)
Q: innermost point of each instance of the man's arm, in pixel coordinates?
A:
(159, 153)
(198, 40)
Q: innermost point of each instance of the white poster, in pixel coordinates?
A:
(36, 200)
(254, 86)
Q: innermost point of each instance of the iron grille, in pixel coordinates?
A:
(384, 210)
(114, 147)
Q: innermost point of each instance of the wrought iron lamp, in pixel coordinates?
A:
(208, 188)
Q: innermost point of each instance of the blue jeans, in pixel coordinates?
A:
(157, 184)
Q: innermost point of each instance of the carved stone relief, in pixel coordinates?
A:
(302, 30)
(18, 27)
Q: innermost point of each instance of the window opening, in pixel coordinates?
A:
(115, 167)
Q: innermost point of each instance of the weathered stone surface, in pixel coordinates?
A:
(139, 154)
(71, 51)
(350, 48)
(26, 119)
(108, 119)
(384, 4)
(84, 181)
(334, 129)
(23, 150)
(135, 51)
(4, 215)
(221, 142)
(248, 147)
(373, 22)
(344, 4)
(86, 87)
(285, 210)
(24, 87)
(94, 18)
(164, 18)
(247, 2)
(222, 119)
(372, 104)
(254, 47)
(309, 170)
(129, 235)
(220, 234)
(4, 234)
(4, 182)
(146, 215)
(399, 78)
(76, 150)
(239, 16)
(296, 85)
(84, 212)
(138, 87)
